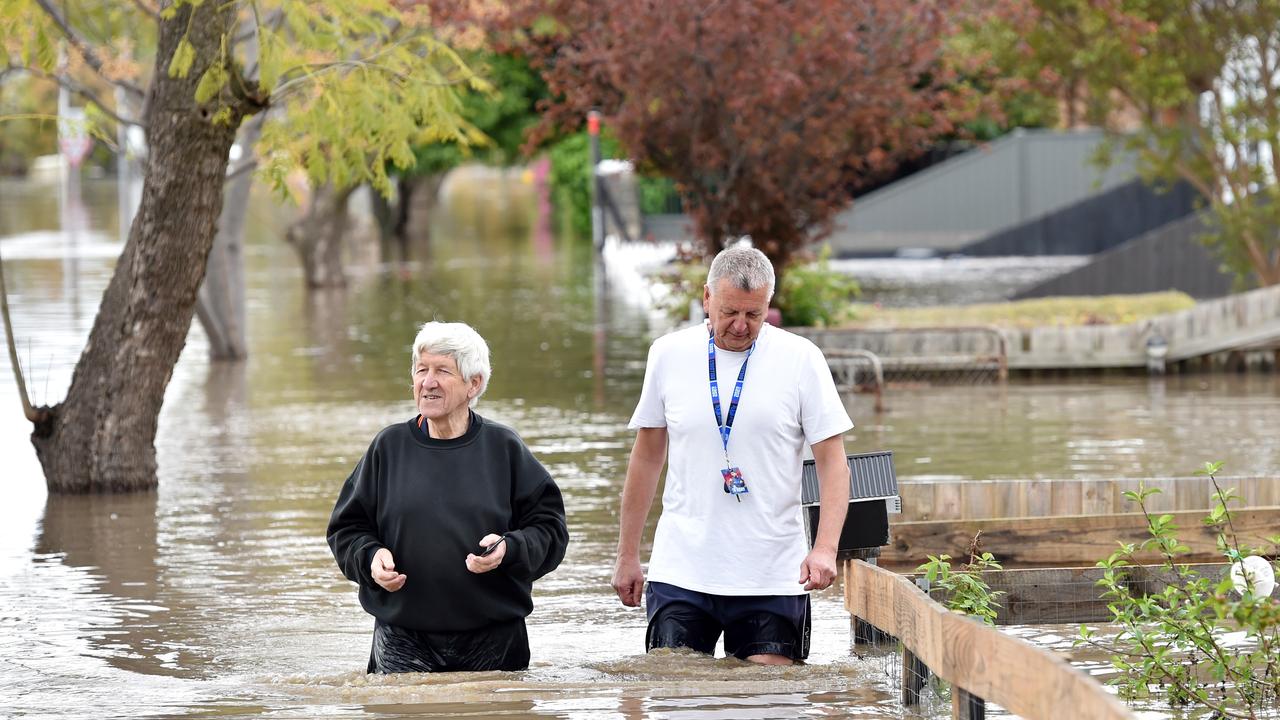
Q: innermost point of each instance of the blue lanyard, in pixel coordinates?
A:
(725, 425)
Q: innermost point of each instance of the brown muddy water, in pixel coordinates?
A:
(216, 596)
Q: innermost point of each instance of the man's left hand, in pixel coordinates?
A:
(484, 563)
(818, 570)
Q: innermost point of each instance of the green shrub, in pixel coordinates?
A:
(814, 294)
(966, 591)
(570, 180)
(1198, 641)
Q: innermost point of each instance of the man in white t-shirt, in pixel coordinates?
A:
(735, 400)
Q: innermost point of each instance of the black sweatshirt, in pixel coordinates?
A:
(430, 501)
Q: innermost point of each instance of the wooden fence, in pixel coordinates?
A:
(980, 662)
(1069, 539)
(983, 499)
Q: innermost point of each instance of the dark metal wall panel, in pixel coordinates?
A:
(1168, 258)
(1093, 225)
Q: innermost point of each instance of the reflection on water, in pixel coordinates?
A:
(217, 594)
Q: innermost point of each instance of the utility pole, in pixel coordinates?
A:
(597, 205)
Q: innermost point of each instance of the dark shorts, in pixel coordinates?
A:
(503, 646)
(752, 624)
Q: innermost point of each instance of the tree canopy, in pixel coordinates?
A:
(352, 86)
(348, 87)
(1192, 87)
(763, 113)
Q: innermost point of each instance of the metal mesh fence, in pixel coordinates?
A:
(921, 693)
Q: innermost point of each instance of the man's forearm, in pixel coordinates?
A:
(637, 498)
(833, 491)
(640, 486)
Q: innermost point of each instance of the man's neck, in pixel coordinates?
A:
(450, 426)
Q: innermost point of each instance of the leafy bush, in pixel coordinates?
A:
(966, 591)
(815, 294)
(1201, 641)
(570, 180)
(684, 279)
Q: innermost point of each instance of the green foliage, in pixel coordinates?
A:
(966, 591)
(501, 115)
(183, 58)
(814, 294)
(658, 195)
(570, 178)
(684, 280)
(364, 83)
(1179, 640)
(352, 87)
(25, 132)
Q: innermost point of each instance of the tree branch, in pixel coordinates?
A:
(75, 87)
(85, 50)
(31, 413)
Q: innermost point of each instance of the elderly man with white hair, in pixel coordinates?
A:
(447, 521)
(729, 408)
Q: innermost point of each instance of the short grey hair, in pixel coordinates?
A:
(745, 267)
(459, 341)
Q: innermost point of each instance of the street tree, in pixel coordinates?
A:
(764, 114)
(1191, 87)
(348, 87)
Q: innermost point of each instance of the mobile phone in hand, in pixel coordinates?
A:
(492, 547)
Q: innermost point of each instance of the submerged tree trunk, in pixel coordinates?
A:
(220, 304)
(319, 236)
(101, 438)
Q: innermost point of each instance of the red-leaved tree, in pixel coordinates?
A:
(764, 113)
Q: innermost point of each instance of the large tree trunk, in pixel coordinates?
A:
(101, 438)
(220, 304)
(319, 236)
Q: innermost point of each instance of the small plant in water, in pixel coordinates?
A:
(1211, 643)
(966, 591)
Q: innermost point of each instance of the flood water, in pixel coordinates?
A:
(217, 595)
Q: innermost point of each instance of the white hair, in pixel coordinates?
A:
(745, 267)
(459, 341)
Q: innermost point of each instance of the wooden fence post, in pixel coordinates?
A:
(965, 706)
(914, 676)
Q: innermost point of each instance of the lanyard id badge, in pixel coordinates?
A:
(734, 483)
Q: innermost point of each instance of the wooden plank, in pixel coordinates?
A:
(1096, 497)
(1066, 540)
(976, 500)
(946, 501)
(1025, 680)
(980, 499)
(1065, 498)
(1038, 498)
(917, 500)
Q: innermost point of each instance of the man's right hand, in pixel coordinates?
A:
(383, 569)
(628, 580)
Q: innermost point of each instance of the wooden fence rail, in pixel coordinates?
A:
(1069, 539)
(978, 661)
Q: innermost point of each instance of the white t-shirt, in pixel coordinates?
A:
(706, 540)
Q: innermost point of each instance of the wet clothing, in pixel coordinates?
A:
(430, 501)
(706, 540)
(501, 646)
(752, 624)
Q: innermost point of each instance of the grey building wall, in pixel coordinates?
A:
(1012, 180)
